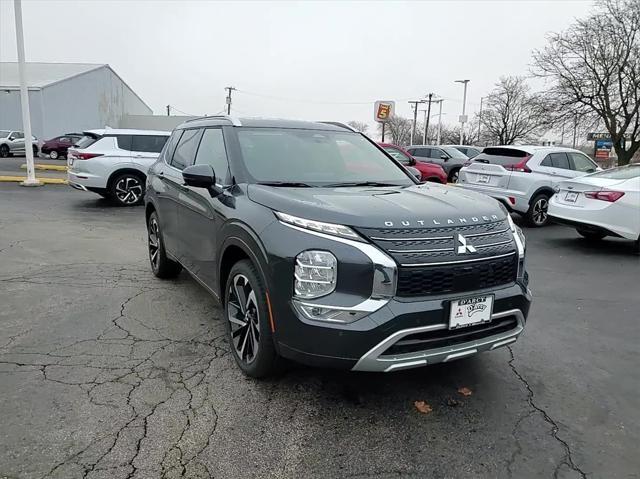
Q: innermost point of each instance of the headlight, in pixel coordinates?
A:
(328, 228)
(315, 274)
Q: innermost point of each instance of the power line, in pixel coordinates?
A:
(317, 102)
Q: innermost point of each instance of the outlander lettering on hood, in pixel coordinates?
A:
(324, 250)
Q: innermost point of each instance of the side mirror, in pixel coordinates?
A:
(415, 172)
(444, 157)
(201, 176)
(412, 161)
(11, 138)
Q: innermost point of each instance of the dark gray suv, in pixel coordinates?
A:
(451, 159)
(324, 250)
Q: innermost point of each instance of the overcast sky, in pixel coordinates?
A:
(307, 60)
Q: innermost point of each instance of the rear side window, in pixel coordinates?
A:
(558, 160)
(148, 143)
(87, 140)
(124, 142)
(421, 152)
(18, 135)
(212, 152)
(500, 156)
(186, 149)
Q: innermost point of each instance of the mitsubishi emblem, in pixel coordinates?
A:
(464, 247)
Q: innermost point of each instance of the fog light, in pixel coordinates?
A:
(315, 274)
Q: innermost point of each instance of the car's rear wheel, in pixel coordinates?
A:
(53, 154)
(248, 325)
(127, 189)
(161, 265)
(4, 151)
(591, 235)
(454, 175)
(538, 214)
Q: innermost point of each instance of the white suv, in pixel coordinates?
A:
(114, 163)
(524, 177)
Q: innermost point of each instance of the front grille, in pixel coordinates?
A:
(457, 278)
(417, 246)
(450, 337)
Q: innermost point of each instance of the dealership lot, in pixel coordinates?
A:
(106, 371)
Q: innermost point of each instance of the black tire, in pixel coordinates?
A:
(53, 154)
(538, 214)
(127, 189)
(453, 175)
(161, 265)
(248, 326)
(4, 151)
(637, 246)
(591, 235)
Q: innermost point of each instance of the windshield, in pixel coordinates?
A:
(315, 157)
(455, 153)
(621, 173)
(4, 133)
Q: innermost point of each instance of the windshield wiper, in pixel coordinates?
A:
(360, 183)
(292, 184)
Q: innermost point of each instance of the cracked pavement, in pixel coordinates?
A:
(108, 372)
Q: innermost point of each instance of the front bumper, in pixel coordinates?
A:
(372, 343)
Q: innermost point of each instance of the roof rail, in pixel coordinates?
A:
(341, 125)
(234, 120)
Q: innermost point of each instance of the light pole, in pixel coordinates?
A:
(463, 117)
(480, 118)
(24, 99)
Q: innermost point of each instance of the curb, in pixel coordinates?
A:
(44, 180)
(46, 167)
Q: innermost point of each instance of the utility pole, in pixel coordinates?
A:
(424, 137)
(168, 110)
(480, 119)
(463, 117)
(24, 99)
(415, 118)
(426, 122)
(230, 89)
(439, 121)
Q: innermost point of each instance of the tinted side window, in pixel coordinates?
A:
(148, 143)
(560, 160)
(124, 142)
(186, 149)
(547, 161)
(18, 135)
(212, 152)
(397, 154)
(422, 152)
(582, 163)
(437, 153)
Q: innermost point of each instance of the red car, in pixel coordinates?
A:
(57, 147)
(429, 171)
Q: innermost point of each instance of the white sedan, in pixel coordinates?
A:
(602, 204)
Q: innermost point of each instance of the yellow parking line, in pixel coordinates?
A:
(46, 181)
(39, 166)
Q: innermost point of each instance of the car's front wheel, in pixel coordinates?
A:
(4, 151)
(161, 265)
(538, 214)
(454, 175)
(591, 235)
(127, 189)
(248, 325)
(53, 154)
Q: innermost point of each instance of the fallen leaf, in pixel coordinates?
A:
(422, 407)
(465, 391)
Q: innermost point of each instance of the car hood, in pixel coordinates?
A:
(423, 205)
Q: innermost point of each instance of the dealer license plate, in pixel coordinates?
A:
(571, 197)
(470, 311)
(484, 178)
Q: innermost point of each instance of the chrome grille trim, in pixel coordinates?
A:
(419, 250)
(435, 238)
(411, 265)
(488, 245)
(488, 233)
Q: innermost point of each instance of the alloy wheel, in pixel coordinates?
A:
(540, 211)
(53, 155)
(244, 319)
(154, 243)
(4, 151)
(129, 190)
(454, 176)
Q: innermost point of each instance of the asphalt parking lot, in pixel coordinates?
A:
(108, 372)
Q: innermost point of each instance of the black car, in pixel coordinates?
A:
(324, 250)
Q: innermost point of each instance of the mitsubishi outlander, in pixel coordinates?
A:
(324, 250)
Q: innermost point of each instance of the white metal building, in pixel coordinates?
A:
(66, 97)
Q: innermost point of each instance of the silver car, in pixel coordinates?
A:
(12, 143)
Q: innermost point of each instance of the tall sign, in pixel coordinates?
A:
(383, 110)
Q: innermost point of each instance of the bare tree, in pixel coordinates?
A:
(398, 130)
(594, 68)
(513, 113)
(358, 125)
